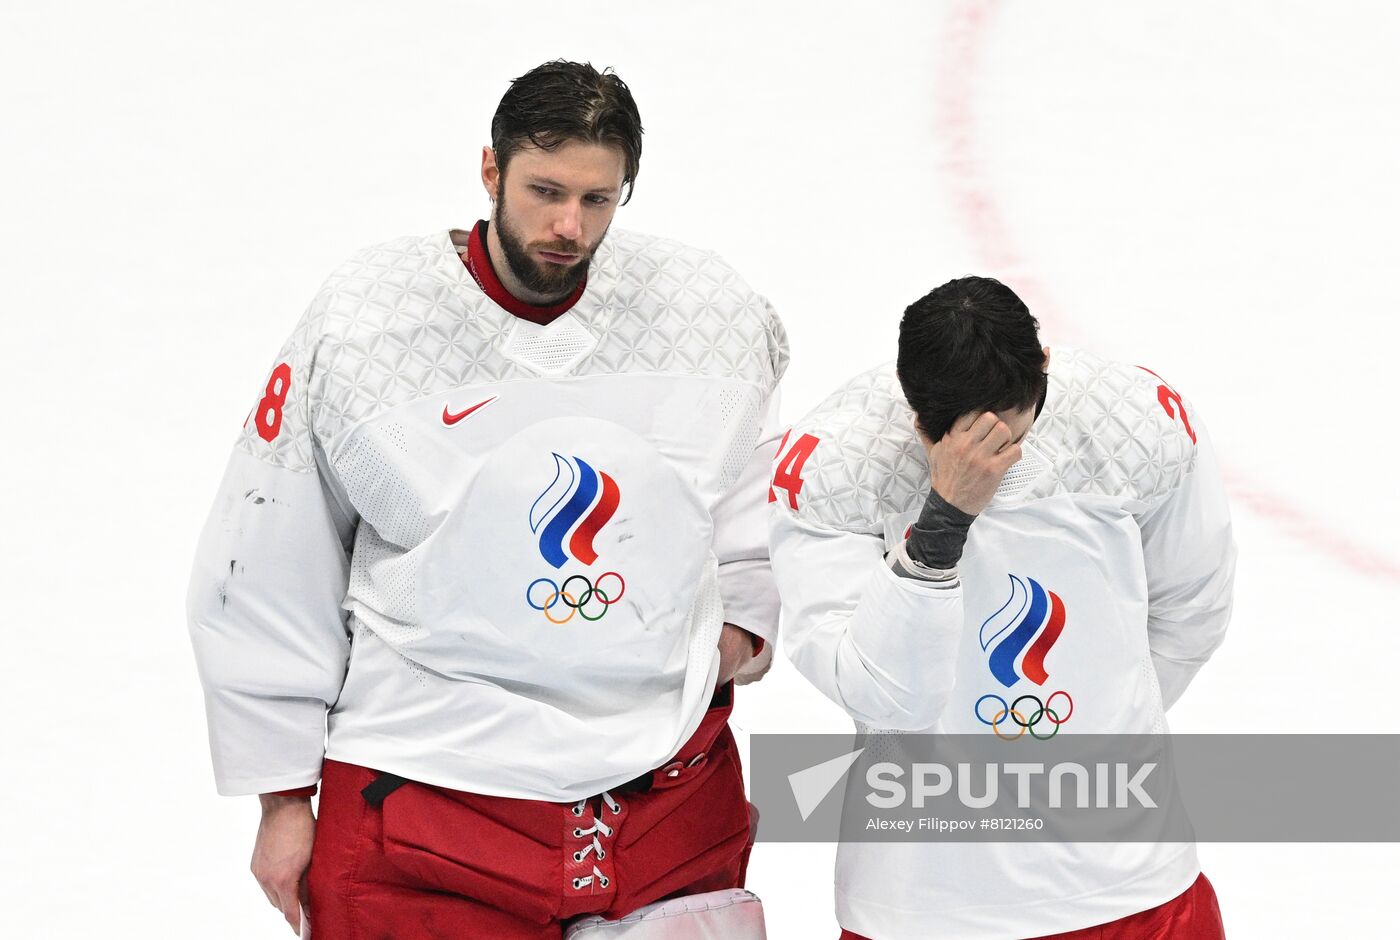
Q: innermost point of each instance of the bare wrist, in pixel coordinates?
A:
(272, 802)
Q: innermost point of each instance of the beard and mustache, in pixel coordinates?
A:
(549, 280)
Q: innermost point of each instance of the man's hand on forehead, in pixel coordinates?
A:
(967, 464)
(965, 468)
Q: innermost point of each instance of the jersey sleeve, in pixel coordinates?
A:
(265, 594)
(741, 518)
(1189, 556)
(880, 646)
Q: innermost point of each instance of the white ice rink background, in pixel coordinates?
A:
(1204, 188)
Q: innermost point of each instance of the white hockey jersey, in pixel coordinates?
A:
(1097, 582)
(498, 552)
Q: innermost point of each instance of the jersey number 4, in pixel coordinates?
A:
(788, 473)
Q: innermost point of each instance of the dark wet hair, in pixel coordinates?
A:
(969, 345)
(561, 101)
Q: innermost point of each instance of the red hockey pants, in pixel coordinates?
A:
(429, 862)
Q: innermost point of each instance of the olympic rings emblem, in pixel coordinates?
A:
(577, 601)
(1043, 712)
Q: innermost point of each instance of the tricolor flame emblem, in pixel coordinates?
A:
(1030, 622)
(570, 512)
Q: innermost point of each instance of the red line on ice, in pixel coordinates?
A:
(980, 217)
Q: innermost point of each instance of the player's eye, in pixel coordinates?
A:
(544, 190)
(598, 200)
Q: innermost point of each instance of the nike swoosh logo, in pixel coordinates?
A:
(449, 419)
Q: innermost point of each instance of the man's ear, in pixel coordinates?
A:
(1045, 363)
(490, 173)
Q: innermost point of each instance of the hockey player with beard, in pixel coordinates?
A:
(487, 555)
(984, 474)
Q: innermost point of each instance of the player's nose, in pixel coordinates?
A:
(569, 223)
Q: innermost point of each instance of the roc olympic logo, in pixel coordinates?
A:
(1043, 711)
(547, 597)
(567, 517)
(1018, 637)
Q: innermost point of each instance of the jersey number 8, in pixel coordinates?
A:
(269, 413)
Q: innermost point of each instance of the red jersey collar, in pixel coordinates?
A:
(478, 262)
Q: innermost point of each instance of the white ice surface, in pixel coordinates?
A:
(1204, 188)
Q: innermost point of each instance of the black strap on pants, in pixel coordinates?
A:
(381, 787)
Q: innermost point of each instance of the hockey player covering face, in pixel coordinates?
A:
(992, 537)
(488, 554)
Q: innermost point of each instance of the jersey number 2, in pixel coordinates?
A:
(788, 474)
(1171, 402)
